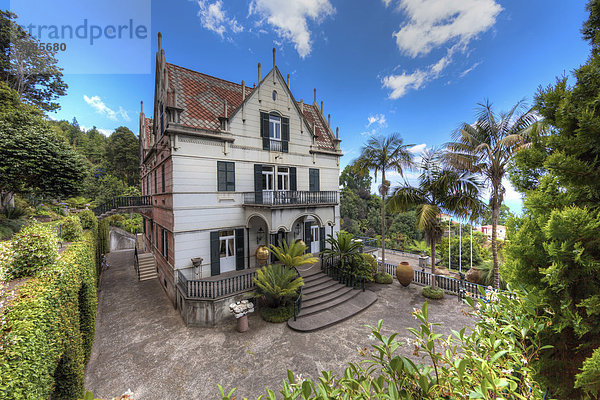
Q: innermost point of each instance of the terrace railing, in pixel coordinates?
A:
(123, 202)
(290, 198)
(214, 288)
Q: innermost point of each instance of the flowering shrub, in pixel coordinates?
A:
(492, 362)
(71, 229)
(33, 249)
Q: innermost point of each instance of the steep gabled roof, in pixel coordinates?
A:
(202, 98)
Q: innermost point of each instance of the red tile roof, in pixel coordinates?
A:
(148, 131)
(202, 98)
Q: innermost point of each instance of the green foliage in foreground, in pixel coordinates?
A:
(433, 293)
(277, 315)
(71, 229)
(493, 361)
(33, 249)
(48, 330)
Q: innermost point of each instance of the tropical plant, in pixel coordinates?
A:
(277, 284)
(292, 254)
(362, 265)
(439, 190)
(343, 247)
(435, 293)
(382, 154)
(486, 147)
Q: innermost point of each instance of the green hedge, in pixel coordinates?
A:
(48, 330)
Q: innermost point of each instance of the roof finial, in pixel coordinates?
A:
(273, 57)
(321, 106)
(301, 106)
(259, 79)
(159, 41)
(315, 90)
(288, 80)
(329, 120)
(142, 106)
(337, 132)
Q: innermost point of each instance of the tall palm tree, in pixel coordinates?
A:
(439, 190)
(382, 154)
(486, 147)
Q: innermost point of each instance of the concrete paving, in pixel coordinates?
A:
(142, 343)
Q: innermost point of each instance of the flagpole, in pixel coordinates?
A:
(460, 247)
(471, 226)
(449, 245)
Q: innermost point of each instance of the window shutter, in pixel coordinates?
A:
(307, 235)
(293, 179)
(264, 130)
(239, 249)
(285, 134)
(322, 238)
(313, 180)
(215, 260)
(258, 183)
(231, 176)
(221, 176)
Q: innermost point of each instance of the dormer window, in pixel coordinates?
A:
(274, 127)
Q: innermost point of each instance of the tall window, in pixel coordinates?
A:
(155, 181)
(165, 243)
(162, 174)
(274, 127)
(283, 178)
(268, 178)
(225, 176)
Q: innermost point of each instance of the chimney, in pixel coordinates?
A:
(329, 120)
(337, 132)
(243, 91)
(273, 57)
(321, 106)
(301, 105)
(315, 90)
(288, 80)
(159, 41)
(259, 79)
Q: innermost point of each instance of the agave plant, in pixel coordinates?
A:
(277, 284)
(344, 247)
(292, 255)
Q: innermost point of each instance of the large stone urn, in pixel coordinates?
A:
(262, 255)
(404, 273)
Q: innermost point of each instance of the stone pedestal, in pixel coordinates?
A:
(242, 323)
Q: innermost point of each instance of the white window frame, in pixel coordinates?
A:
(274, 127)
(268, 178)
(284, 173)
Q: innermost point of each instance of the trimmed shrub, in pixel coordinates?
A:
(432, 293)
(384, 278)
(362, 265)
(48, 330)
(277, 315)
(71, 229)
(34, 248)
(88, 220)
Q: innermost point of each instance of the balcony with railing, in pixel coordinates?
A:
(124, 203)
(290, 198)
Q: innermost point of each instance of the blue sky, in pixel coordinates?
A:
(416, 67)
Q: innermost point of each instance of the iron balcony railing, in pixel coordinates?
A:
(290, 197)
(213, 288)
(123, 202)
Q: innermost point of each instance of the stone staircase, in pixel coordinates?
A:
(147, 266)
(326, 302)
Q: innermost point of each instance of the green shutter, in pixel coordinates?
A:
(307, 235)
(221, 176)
(264, 130)
(231, 176)
(239, 249)
(322, 238)
(293, 179)
(258, 183)
(215, 260)
(313, 180)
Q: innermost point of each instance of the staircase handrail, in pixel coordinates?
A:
(298, 301)
(136, 261)
(329, 266)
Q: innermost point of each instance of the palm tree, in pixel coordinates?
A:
(486, 147)
(343, 247)
(439, 190)
(292, 255)
(383, 154)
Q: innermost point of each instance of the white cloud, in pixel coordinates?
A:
(466, 71)
(289, 18)
(105, 132)
(101, 108)
(377, 119)
(214, 18)
(418, 148)
(432, 23)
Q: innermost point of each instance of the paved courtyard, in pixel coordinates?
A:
(143, 345)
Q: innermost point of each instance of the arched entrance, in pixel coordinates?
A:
(258, 235)
(310, 230)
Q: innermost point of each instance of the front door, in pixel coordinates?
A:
(315, 244)
(227, 251)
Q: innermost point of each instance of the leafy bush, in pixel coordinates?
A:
(77, 202)
(487, 274)
(383, 277)
(493, 361)
(362, 265)
(125, 222)
(34, 248)
(277, 315)
(48, 330)
(88, 219)
(343, 247)
(277, 284)
(433, 293)
(71, 229)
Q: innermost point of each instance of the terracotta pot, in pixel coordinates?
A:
(242, 323)
(404, 273)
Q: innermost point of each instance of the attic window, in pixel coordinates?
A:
(274, 95)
